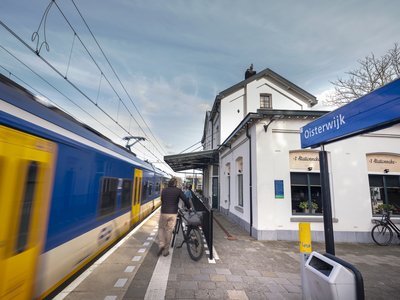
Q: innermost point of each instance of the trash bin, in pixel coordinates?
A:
(327, 279)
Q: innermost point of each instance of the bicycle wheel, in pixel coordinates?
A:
(195, 244)
(382, 234)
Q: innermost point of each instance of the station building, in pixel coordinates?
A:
(256, 173)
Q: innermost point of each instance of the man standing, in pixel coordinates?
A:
(188, 194)
(169, 207)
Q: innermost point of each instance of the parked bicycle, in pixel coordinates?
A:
(189, 222)
(382, 232)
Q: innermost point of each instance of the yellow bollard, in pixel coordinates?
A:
(305, 250)
(305, 238)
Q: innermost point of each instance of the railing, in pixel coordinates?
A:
(207, 220)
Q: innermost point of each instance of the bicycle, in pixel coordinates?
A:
(191, 233)
(382, 232)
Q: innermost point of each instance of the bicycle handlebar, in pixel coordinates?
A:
(182, 210)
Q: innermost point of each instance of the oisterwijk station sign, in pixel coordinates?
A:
(374, 111)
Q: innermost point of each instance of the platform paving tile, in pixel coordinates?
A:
(246, 269)
(237, 295)
(224, 285)
(292, 288)
(252, 269)
(185, 294)
(234, 278)
(255, 295)
(172, 277)
(201, 277)
(208, 270)
(254, 273)
(207, 285)
(188, 285)
(239, 285)
(217, 277)
(223, 271)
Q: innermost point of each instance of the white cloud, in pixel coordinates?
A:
(322, 100)
(175, 56)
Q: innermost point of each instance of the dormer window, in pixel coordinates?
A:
(265, 101)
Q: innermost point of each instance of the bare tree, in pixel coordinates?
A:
(372, 73)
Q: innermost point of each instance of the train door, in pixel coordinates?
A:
(26, 172)
(137, 192)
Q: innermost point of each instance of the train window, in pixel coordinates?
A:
(126, 194)
(157, 187)
(108, 197)
(27, 205)
(140, 190)
(150, 188)
(135, 198)
(144, 193)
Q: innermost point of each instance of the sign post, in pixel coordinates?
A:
(326, 202)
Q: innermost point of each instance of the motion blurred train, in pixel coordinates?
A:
(66, 194)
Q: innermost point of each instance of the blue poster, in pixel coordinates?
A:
(279, 189)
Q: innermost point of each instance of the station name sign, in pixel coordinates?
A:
(374, 111)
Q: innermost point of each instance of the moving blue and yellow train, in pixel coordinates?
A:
(66, 194)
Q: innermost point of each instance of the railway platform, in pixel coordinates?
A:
(242, 268)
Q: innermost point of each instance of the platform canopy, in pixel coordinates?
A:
(192, 160)
(374, 111)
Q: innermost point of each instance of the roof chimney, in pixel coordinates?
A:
(249, 72)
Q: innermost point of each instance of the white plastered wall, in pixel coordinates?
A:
(238, 149)
(281, 98)
(351, 204)
(231, 113)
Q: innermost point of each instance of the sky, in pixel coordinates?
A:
(171, 58)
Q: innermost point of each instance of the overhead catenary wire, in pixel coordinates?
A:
(71, 83)
(48, 98)
(36, 35)
(46, 81)
(116, 75)
(101, 71)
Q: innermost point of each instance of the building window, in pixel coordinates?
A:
(266, 101)
(239, 168)
(385, 193)
(306, 193)
(240, 189)
(228, 179)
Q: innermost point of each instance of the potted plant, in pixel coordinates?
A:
(307, 208)
(314, 207)
(385, 208)
(304, 206)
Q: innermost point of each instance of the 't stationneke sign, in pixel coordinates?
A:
(377, 110)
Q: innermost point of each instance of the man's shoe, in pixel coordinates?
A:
(166, 253)
(160, 251)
